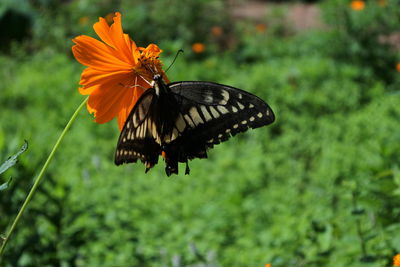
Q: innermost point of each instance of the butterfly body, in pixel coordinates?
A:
(182, 120)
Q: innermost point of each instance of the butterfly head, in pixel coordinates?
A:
(159, 84)
(157, 77)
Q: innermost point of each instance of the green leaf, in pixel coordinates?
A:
(13, 159)
(5, 185)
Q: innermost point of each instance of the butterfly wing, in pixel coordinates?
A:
(184, 119)
(138, 138)
(210, 113)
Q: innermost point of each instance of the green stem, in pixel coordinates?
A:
(39, 178)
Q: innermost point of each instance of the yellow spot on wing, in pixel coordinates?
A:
(180, 123)
(222, 109)
(194, 114)
(205, 113)
(214, 112)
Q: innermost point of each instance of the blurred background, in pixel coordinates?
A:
(319, 187)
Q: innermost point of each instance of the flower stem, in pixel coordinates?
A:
(39, 178)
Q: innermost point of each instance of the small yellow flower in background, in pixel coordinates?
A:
(357, 5)
(396, 260)
(198, 48)
(382, 3)
(398, 67)
(216, 31)
(261, 27)
(84, 20)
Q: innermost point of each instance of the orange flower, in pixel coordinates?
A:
(198, 48)
(357, 5)
(396, 260)
(398, 67)
(216, 31)
(267, 265)
(117, 70)
(83, 20)
(261, 27)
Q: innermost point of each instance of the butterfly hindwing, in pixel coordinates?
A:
(136, 140)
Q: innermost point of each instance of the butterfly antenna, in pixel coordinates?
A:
(173, 61)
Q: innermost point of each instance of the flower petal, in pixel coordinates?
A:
(114, 37)
(103, 31)
(108, 101)
(91, 76)
(93, 79)
(128, 105)
(126, 108)
(93, 53)
(152, 50)
(105, 104)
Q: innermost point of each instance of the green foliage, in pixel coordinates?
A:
(319, 187)
(11, 161)
(5, 185)
(176, 22)
(363, 37)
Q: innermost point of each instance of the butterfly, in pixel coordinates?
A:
(182, 120)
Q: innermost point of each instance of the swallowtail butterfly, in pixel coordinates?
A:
(181, 120)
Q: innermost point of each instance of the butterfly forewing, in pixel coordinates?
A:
(213, 112)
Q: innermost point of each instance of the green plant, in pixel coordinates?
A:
(362, 37)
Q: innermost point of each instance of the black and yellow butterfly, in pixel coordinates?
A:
(181, 120)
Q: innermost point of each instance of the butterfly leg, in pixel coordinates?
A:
(187, 170)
